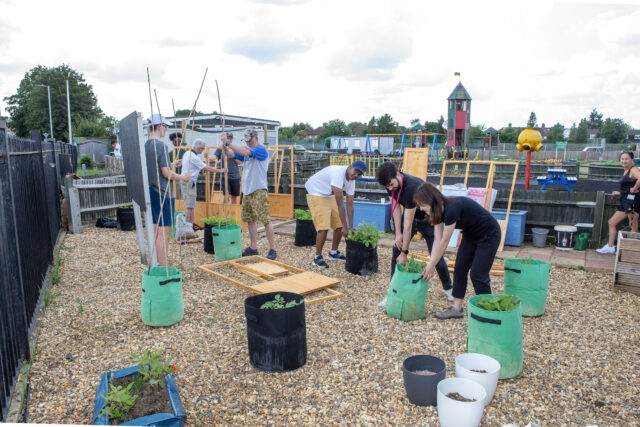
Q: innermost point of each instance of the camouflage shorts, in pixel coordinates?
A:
(255, 207)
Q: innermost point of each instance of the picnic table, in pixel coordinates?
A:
(557, 176)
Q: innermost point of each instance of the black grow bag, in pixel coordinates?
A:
(126, 220)
(305, 233)
(208, 239)
(277, 338)
(361, 259)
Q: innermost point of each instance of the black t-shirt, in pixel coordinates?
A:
(469, 216)
(410, 184)
(234, 171)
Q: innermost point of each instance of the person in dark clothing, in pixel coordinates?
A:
(480, 240)
(233, 178)
(401, 188)
(629, 202)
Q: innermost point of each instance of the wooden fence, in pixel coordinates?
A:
(547, 155)
(90, 199)
(113, 164)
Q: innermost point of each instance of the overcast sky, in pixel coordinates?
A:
(318, 60)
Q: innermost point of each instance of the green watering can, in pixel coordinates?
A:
(582, 242)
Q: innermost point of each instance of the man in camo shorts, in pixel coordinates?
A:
(255, 199)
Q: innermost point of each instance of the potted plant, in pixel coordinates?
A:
(209, 223)
(305, 231)
(276, 331)
(528, 279)
(407, 293)
(480, 368)
(142, 395)
(125, 217)
(362, 253)
(460, 402)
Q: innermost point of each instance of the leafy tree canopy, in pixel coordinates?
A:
(29, 107)
(614, 131)
(334, 128)
(509, 135)
(595, 119)
(186, 111)
(556, 134)
(382, 124)
(579, 134)
(533, 120)
(354, 125)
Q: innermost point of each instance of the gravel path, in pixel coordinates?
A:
(581, 359)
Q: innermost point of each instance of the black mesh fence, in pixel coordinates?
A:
(30, 175)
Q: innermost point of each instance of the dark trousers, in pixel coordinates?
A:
(477, 256)
(427, 232)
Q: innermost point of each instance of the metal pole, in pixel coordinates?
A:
(50, 121)
(69, 114)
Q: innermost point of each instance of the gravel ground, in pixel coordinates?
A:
(581, 359)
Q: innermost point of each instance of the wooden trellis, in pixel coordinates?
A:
(496, 269)
(275, 277)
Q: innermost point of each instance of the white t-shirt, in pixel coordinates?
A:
(192, 163)
(332, 176)
(116, 151)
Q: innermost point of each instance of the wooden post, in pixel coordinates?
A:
(137, 215)
(598, 218)
(75, 219)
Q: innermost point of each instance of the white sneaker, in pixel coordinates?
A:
(449, 293)
(383, 303)
(606, 249)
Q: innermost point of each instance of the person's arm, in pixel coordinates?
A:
(212, 169)
(170, 175)
(439, 247)
(397, 226)
(350, 211)
(409, 214)
(635, 173)
(337, 192)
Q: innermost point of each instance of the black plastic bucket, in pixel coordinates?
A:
(126, 219)
(277, 338)
(422, 388)
(305, 233)
(361, 259)
(208, 239)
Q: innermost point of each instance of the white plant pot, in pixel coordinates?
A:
(453, 413)
(468, 361)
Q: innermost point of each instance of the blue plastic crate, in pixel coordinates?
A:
(371, 212)
(515, 226)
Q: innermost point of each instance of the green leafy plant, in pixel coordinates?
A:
(125, 206)
(413, 266)
(528, 260)
(502, 303)
(152, 368)
(86, 160)
(278, 302)
(302, 214)
(119, 402)
(367, 234)
(214, 221)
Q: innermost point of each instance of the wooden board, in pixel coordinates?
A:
(415, 161)
(496, 269)
(276, 277)
(629, 241)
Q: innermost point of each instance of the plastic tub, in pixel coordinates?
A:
(565, 236)
(539, 237)
(422, 389)
(468, 363)
(454, 413)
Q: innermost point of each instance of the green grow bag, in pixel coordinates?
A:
(228, 242)
(529, 281)
(407, 295)
(162, 303)
(497, 334)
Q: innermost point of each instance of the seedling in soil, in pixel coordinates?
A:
(119, 402)
(302, 214)
(152, 368)
(526, 260)
(218, 222)
(460, 398)
(367, 235)
(278, 302)
(503, 303)
(413, 266)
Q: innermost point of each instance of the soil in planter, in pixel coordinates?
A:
(424, 372)
(460, 398)
(480, 371)
(152, 399)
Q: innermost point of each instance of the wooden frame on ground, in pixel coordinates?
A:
(496, 269)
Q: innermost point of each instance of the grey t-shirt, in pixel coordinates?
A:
(234, 170)
(157, 158)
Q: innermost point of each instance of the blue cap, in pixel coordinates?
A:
(157, 119)
(359, 166)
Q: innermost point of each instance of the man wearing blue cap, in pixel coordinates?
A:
(325, 201)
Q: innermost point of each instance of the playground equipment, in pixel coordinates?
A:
(529, 140)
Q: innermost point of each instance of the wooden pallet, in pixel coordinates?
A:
(276, 277)
(496, 269)
(626, 273)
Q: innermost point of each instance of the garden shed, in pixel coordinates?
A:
(96, 149)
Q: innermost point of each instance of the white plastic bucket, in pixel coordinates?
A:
(468, 363)
(565, 236)
(453, 413)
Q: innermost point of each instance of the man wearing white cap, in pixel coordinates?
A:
(159, 173)
(255, 198)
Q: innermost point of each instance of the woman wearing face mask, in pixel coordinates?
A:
(629, 206)
(480, 240)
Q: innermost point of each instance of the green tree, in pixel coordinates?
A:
(556, 134)
(354, 125)
(334, 128)
(476, 131)
(186, 111)
(29, 108)
(509, 135)
(414, 122)
(614, 131)
(595, 119)
(533, 120)
(285, 133)
(579, 134)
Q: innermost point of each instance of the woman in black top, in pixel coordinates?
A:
(629, 206)
(480, 240)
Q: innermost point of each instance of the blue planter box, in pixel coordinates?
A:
(515, 226)
(371, 212)
(176, 419)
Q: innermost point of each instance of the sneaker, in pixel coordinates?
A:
(449, 313)
(336, 256)
(449, 293)
(319, 262)
(606, 249)
(272, 254)
(249, 252)
(383, 303)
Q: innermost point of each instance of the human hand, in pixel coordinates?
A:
(398, 242)
(345, 231)
(402, 259)
(186, 177)
(223, 137)
(634, 190)
(428, 271)
(178, 163)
